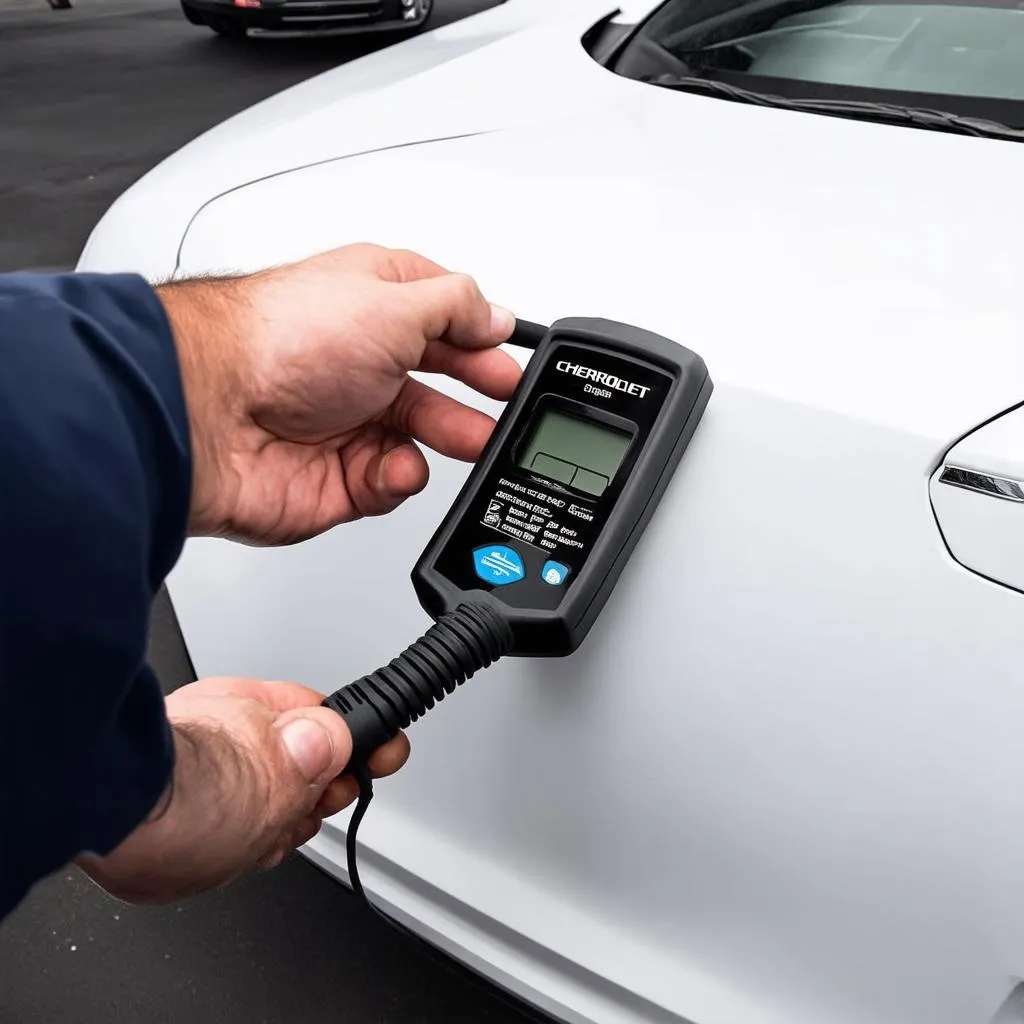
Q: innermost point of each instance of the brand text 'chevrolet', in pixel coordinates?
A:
(609, 380)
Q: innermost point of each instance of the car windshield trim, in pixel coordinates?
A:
(864, 110)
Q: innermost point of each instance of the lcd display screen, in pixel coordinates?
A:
(574, 451)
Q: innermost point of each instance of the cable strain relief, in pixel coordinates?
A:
(460, 643)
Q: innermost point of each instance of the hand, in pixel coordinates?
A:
(255, 774)
(303, 414)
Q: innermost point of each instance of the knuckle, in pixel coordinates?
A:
(271, 860)
(404, 255)
(401, 413)
(356, 254)
(465, 288)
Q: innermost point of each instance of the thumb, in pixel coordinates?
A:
(317, 741)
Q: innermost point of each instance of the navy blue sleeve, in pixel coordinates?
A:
(95, 480)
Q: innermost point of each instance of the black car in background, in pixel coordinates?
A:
(234, 18)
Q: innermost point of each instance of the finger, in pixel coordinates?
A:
(441, 423)
(278, 695)
(318, 744)
(453, 307)
(491, 372)
(396, 474)
(340, 792)
(271, 860)
(386, 760)
(307, 829)
(382, 468)
(281, 695)
(297, 835)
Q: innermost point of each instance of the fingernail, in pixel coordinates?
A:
(503, 322)
(382, 471)
(309, 745)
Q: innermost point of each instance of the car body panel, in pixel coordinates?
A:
(982, 528)
(584, 227)
(347, 111)
(780, 782)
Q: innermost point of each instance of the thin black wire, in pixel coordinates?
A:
(365, 781)
(362, 776)
(527, 334)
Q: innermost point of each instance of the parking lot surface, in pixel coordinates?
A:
(93, 97)
(89, 100)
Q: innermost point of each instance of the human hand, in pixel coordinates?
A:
(303, 414)
(256, 772)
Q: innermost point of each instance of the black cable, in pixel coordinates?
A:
(492, 989)
(362, 776)
(527, 334)
(376, 707)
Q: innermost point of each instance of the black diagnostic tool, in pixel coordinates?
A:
(533, 545)
(574, 470)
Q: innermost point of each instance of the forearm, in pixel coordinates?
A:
(208, 318)
(267, 408)
(95, 469)
(173, 842)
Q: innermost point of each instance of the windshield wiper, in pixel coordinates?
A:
(888, 113)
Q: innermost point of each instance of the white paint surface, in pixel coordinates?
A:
(782, 781)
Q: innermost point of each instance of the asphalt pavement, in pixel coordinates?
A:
(90, 99)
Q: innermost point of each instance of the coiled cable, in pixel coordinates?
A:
(378, 705)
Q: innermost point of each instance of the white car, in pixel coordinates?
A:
(782, 782)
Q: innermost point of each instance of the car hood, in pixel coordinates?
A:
(745, 854)
(489, 71)
(703, 814)
(863, 268)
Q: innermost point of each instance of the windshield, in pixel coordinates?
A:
(966, 57)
